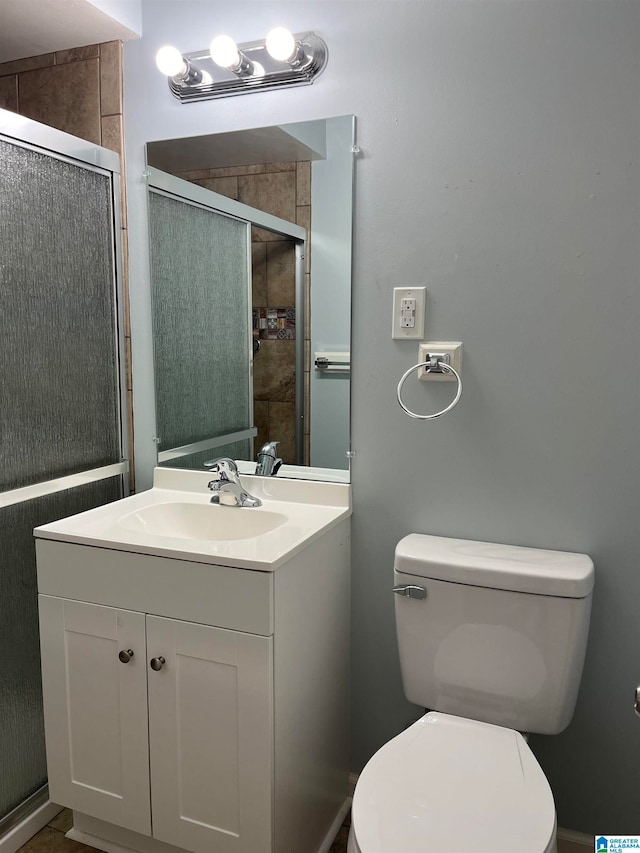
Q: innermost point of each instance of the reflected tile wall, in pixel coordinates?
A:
(259, 274)
(274, 372)
(273, 192)
(281, 273)
(274, 324)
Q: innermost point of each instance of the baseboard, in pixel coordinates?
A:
(93, 841)
(575, 837)
(353, 781)
(325, 847)
(28, 827)
(113, 839)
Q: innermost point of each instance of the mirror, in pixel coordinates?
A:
(292, 186)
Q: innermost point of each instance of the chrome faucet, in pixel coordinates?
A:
(268, 462)
(226, 486)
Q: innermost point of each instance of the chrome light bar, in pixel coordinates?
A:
(260, 72)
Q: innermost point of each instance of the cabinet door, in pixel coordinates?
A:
(95, 708)
(210, 737)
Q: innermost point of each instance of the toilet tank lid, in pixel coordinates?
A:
(510, 567)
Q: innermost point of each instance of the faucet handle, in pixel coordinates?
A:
(267, 461)
(269, 449)
(224, 467)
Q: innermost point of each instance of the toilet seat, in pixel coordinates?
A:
(452, 785)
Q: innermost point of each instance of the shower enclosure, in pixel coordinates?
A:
(61, 404)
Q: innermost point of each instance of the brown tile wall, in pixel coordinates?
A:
(78, 91)
(284, 190)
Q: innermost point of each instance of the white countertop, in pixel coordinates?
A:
(310, 508)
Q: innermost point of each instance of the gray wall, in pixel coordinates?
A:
(499, 168)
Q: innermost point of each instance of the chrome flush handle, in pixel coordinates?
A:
(411, 591)
(636, 704)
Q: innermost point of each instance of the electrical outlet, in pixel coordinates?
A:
(408, 313)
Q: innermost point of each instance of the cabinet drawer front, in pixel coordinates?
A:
(210, 736)
(95, 710)
(196, 592)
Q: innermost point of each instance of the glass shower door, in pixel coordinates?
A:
(60, 411)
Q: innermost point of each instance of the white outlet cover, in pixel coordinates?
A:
(452, 348)
(399, 332)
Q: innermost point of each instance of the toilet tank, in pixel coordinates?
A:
(501, 634)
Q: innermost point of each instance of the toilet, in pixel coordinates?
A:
(492, 640)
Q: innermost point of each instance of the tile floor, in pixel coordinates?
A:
(51, 839)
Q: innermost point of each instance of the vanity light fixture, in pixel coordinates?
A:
(281, 60)
(282, 45)
(172, 63)
(224, 52)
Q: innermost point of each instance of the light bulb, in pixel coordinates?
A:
(224, 52)
(281, 44)
(170, 62)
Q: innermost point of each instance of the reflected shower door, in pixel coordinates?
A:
(200, 283)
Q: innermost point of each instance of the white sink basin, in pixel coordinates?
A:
(208, 522)
(176, 519)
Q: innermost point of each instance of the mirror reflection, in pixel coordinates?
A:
(251, 287)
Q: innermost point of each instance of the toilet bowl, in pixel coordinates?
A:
(452, 785)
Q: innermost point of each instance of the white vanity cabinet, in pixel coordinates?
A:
(96, 710)
(195, 706)
(206, 758)
(210, 737)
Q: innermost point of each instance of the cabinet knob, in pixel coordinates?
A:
(156, 664)
(125, 655)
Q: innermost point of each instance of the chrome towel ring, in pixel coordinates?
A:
(434, 365)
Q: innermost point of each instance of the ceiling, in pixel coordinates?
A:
(33, 27)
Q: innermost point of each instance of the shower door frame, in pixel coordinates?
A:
(25, 819)
(177, 188)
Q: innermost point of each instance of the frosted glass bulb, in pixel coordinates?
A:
(170, 62)
(281, 44)
(224, 52)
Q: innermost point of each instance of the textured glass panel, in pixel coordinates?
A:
(195, 461)
(200, 293)
(58, 384)
(22, 756)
